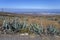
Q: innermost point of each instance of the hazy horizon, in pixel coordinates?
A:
(17, 6)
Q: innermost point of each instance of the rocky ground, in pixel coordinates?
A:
(27, 37)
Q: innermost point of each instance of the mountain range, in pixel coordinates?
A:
(31, 11)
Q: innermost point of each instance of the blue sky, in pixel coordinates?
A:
(30, 4)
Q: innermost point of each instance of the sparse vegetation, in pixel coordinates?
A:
(30, 24)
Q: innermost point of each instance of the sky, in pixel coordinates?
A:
(30, 4)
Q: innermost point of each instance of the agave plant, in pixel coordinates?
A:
(51, 30)
(24, 26)
(15, 25)
(6, 26)
(35, 28)
(10, 26)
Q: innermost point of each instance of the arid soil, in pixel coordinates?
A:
(27, 37)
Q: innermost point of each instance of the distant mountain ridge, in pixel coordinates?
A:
(31, 11)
